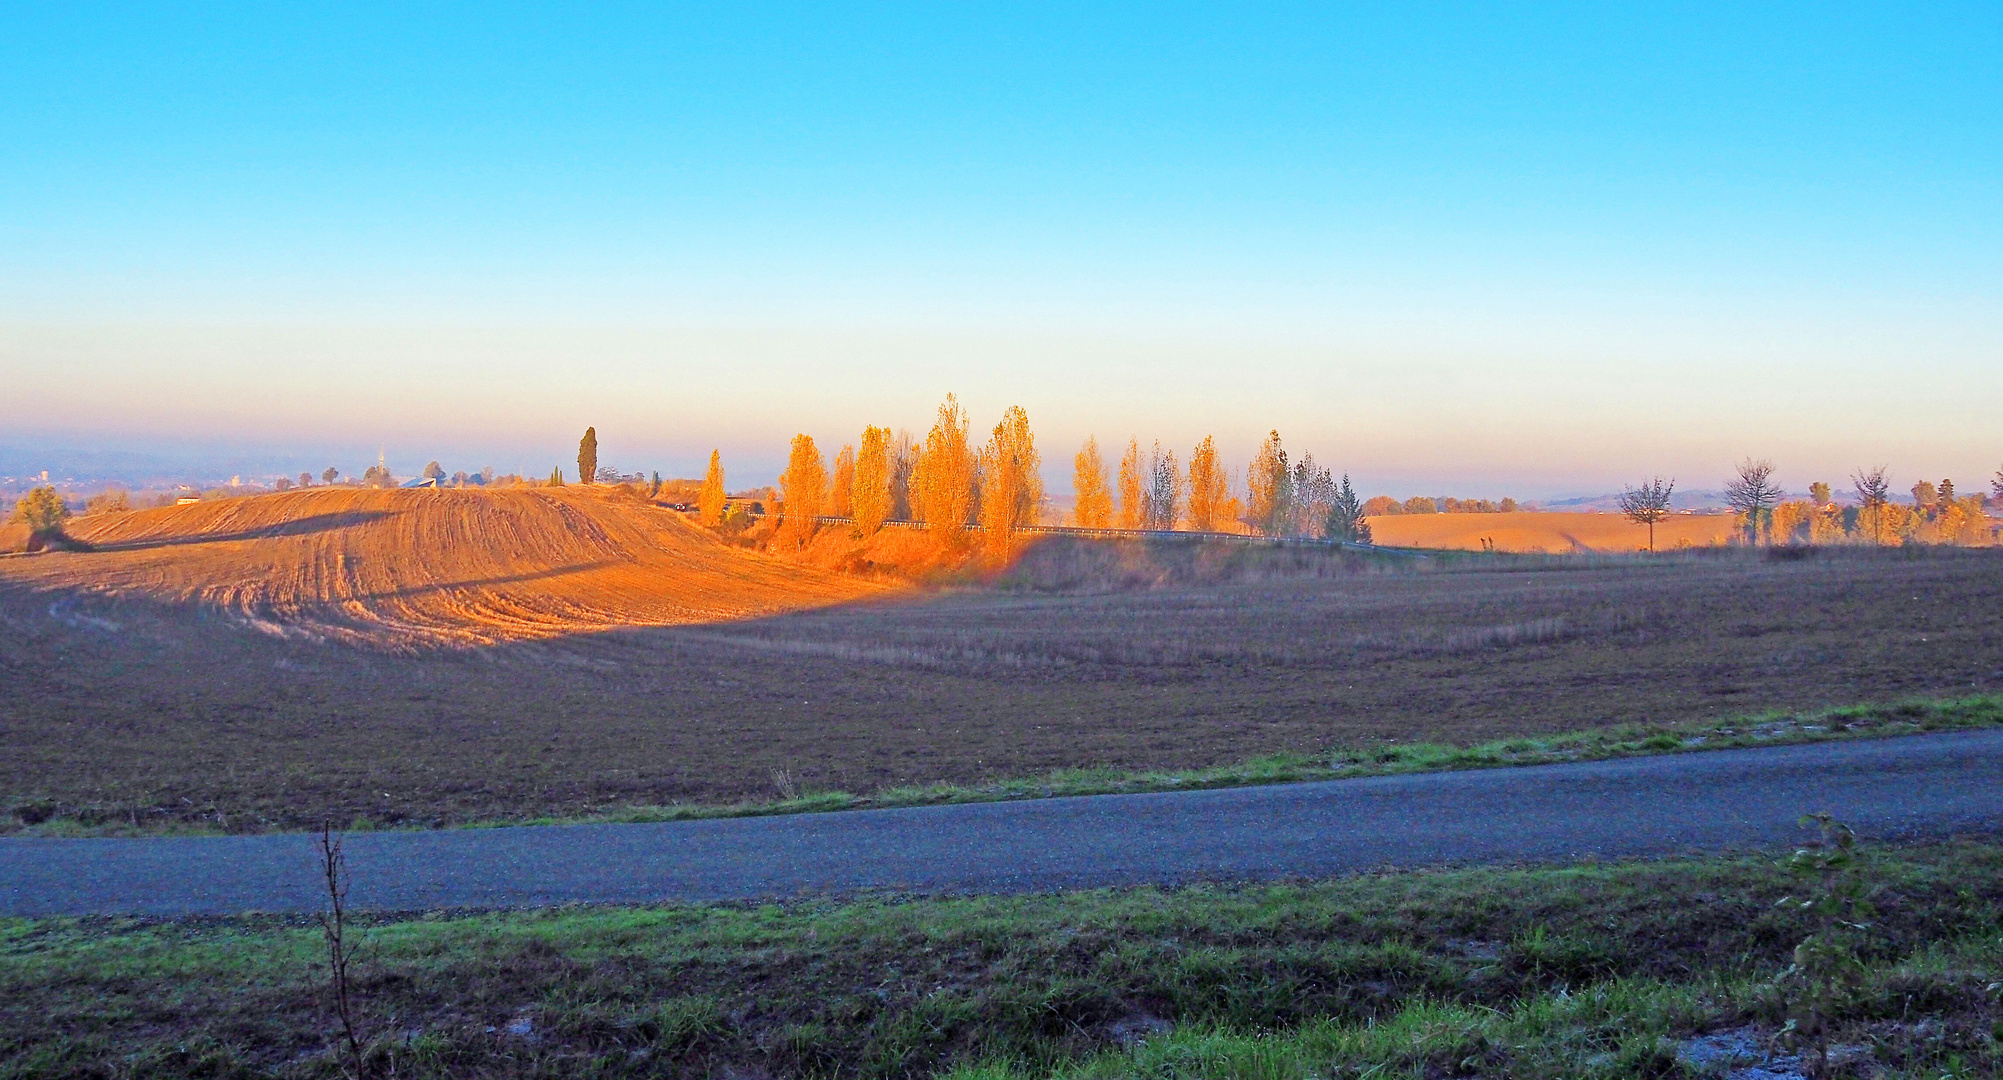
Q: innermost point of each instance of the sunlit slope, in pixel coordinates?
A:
(1548, 532)
(413, 568)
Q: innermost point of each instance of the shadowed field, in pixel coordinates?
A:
(141, 694)
(397, 570)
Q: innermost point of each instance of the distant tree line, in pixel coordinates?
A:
(1763, 513)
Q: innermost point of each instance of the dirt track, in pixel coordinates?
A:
(400, 569)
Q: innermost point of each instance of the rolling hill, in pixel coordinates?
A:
(405, 569)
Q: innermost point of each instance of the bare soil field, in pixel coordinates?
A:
(1556, 533)
(399, 570)
(142, 694)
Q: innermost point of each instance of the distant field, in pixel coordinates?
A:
(1548, 532)
(405, 569)
(141, 694)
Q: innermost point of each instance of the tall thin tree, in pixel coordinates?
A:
(1267, 480)
(1133, 488)
(870, 493)
(1208, 488)
(587, 456)
(1164, 489)
(942, 480)
(1094, 508)
(903, 459)
(710, 499)
(841, 493)
(803, 491)
(1011, 482)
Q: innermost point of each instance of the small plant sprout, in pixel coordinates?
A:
(1827, 971)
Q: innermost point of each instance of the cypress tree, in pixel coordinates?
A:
(587, 456)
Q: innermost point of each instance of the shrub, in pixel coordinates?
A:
(42, 511)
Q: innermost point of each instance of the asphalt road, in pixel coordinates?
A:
(1919, 786)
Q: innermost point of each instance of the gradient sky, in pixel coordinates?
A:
(1530, 250)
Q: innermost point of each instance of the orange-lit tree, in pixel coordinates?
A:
(1133, 488)
(803, 491)
(942, 480)
(1095, 499)
(1208, 490)
(709, 501)
(841, 493)
(870, 494)
(1267, 483)
(1011, 482)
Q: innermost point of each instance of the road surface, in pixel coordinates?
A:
(1917, 786)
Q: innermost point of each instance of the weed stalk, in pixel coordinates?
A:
(340, 950)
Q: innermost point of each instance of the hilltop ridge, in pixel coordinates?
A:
(401, 569)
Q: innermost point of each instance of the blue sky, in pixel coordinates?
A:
(1532, 249)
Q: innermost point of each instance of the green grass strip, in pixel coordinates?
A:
(1583, 971)
(1776, 728)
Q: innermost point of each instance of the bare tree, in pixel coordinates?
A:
(1164, 489)
(1996, 486)
(903, 457)
(1648, 504)
(1874, 491)
(1753, 493)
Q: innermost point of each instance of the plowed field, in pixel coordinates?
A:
(413, 569)
(1555, 533)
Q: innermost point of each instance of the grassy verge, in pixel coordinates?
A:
(1587, 971)
(1628, 740)
(1622, 741)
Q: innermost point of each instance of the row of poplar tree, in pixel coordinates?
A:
(951, 485)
